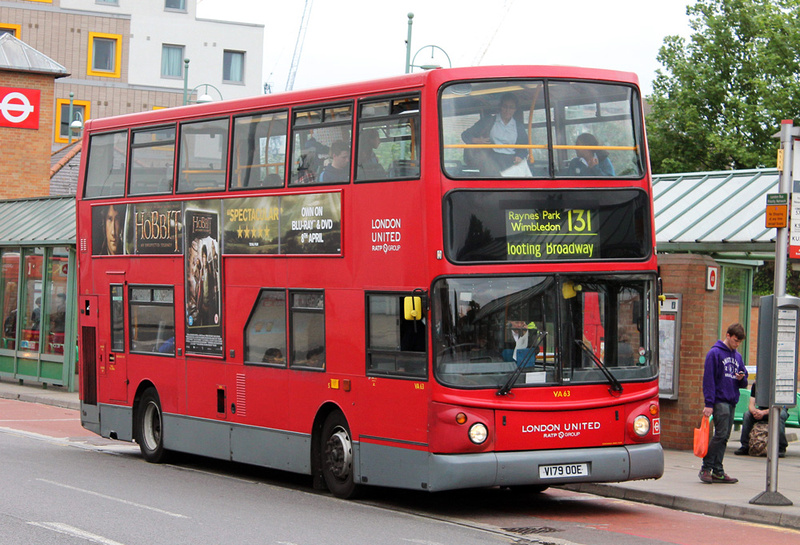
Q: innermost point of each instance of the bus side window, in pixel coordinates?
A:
(388, 139)
(152, 316)
(320, 138)
(265, 331)
(259, 151)
(152, 161)
(307, 329)
(203, 156)
(395, 346)
(105, 173)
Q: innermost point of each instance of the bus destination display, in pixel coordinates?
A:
(547, 226)
(552, 234)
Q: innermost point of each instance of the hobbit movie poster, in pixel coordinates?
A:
(108, 229)
(203, 288)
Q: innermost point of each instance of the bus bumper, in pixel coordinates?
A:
(606, 464)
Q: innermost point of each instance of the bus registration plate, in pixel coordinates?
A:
(563, 470)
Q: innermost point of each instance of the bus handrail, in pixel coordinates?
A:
(539, 146)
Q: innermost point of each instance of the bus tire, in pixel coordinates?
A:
(150, 427)
(337, 456)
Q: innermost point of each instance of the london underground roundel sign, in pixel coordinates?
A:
(19, 108)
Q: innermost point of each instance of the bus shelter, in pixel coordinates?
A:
(37, 290)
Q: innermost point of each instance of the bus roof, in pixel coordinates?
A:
(345, 91)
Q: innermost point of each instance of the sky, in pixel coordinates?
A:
(353, 40)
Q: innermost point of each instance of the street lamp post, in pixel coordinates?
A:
(430, 66)
(408, 42)
(185, 82)
(69, 119)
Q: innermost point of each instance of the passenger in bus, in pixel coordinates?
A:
(369, 168)
(504, 128)
(339, 168)
(590, 162)
(307, 167)
(273, 355)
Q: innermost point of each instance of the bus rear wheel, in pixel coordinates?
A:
(150, 427)
(337, 456)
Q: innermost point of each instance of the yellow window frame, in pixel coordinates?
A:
(117, 55)
(15, 29)
(87, 105)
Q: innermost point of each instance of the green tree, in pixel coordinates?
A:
(723, 93)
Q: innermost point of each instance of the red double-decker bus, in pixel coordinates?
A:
(435, 281)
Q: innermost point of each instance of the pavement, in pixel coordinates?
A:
(679, 488)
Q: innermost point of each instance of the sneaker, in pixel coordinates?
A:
(782, 453)
(705, 476)
(723, 478)
(742, 451)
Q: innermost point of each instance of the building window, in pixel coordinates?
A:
(176, 5)
(105, 55)
(152, 320)
(80, 111)
(109, 2)
(172, 61)
(233, 67)
(7, 28)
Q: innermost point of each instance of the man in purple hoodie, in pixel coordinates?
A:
(723, 375)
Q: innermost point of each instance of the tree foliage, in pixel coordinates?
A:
(722, 95)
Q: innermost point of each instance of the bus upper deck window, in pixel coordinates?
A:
(152, 161)
(105, 174)
(321, 145)
(388, 139)
(203, 156)
(259, 151)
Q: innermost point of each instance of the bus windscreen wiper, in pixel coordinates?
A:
(521, 365)
(616, 386)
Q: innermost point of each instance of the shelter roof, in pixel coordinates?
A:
(718, 213)
(45, 221)
(17, 55)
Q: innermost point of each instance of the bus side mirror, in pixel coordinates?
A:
(413, 308)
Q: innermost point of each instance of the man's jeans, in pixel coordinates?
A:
(723, 423)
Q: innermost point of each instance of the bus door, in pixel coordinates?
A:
(89, 350)
(112, 359)
(396, 372)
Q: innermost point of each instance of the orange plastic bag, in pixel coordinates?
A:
(701, 436)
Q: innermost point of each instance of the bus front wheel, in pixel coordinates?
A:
(337, 456)
(150, 427)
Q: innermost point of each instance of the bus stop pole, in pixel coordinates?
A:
(771, 496)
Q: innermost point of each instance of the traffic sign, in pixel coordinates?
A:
(777, 210)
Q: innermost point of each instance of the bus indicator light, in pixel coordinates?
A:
(334, 384)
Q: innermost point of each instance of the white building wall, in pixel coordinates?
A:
(204, 43)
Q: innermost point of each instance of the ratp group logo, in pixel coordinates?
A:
(19, 108)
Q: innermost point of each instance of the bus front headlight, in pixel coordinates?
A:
(478, 433)
(641, 425)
